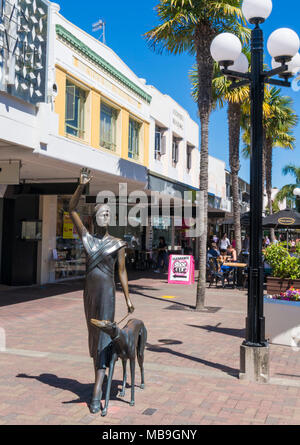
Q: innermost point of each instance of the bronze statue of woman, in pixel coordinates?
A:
(102, 252)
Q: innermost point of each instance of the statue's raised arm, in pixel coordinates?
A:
(85, 178)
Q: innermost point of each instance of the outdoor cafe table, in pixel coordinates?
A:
(235, 266)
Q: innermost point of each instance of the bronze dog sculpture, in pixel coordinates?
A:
(127, 343)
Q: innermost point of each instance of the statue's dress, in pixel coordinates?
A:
(99, 291)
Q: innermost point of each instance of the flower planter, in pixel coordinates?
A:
(282, 322)
(276, 285)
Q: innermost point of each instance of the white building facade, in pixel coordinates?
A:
(174, 165)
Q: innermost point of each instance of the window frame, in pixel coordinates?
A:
(134, 152)
(175, 150)
(79, 108)
(157, 152)
(109, 145)
(189, 150)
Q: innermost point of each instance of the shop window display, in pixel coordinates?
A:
(69, 256)
(133, 238)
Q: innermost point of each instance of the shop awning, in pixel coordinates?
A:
(176, 189)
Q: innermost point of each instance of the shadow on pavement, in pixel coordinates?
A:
(24, 294)
(227, 331)
(82, 390)
(227, 369)
(288, 375)
(137, 290)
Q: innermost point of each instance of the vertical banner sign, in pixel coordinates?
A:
(181, 269)
(68, 227)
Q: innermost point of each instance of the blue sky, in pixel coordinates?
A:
(126, 22)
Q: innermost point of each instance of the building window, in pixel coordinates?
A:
(157, 143)
(175, 148)
(108, 127)
(75, 106)
(228, 191)
(134, 136)
(189, 157)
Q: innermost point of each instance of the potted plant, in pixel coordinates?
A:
(285, 269)
(282, 318)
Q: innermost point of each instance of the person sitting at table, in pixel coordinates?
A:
(213, 251)
(223, 256)
(232, 253)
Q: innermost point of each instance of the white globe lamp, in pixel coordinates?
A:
(225, 49)
(296, 192)
(283, 44)
(257, 11)
(241, 65)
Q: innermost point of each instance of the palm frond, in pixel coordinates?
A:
(285, 192)
(179, 19)
(291, 169)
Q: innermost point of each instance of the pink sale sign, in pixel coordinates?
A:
(181, 269)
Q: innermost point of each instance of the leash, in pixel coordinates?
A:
(123, 318)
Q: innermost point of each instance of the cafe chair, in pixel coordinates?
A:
(228, 273)
(214, 274)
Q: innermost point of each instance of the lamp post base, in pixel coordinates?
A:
(254, 363)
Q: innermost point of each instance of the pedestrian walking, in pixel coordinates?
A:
(162, 257)
(224, 243)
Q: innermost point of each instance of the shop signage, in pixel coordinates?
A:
(181, 269)
(178, 120)
(93, 75)
(69, 231)
(286, 221)
(161, 222)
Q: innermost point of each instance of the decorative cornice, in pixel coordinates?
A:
(102, 63)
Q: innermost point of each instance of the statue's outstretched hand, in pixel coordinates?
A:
(85, 176)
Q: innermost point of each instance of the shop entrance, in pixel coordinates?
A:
(21, 233)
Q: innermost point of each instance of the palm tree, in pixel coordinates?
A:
(278, 124)
(191, 25)
(278, 133)
(287, 191)
(235, 99)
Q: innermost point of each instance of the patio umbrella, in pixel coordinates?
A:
(285, 219)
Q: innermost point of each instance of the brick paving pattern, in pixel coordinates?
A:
(191, 361)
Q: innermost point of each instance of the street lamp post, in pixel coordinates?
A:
(226, 48)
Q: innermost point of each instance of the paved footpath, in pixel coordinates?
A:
(191, 360)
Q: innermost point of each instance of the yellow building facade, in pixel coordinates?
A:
(100, 102)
